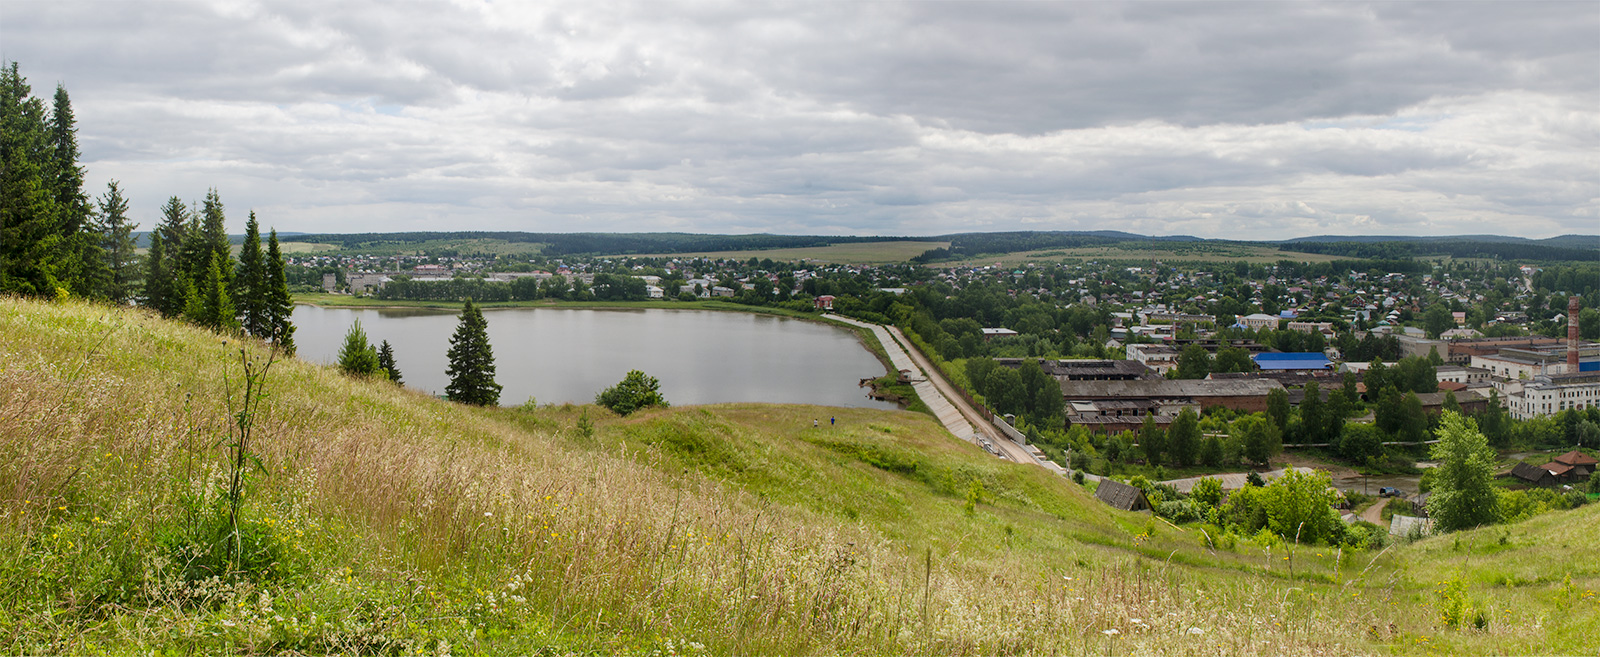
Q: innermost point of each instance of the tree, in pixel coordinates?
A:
(279, 306)
(1211, 450)
(1278, 409)
(1207, 491)
(1311, 416)
(33, 261)
(1152, 440)
(1463, 484)
(1259, 437)
(252, 283)
(1233, 359)
(1492, 421)
(1359, 442)
(1298, 505)
(1194, 362)
(357, 357)
(1184, 438)
(116, 244)
(386, 363)
(83, 265)
(213, 236)
(165, 271)
(636, 391)
(1436, 319)
(210, 304)
(472, 361)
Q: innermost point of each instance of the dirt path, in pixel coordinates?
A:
(1374, 513)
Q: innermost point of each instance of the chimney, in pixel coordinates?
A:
(1572, 335)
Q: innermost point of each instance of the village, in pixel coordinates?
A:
(1131, 348)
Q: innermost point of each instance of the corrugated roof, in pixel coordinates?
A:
(1121, 496)
(1167, 388)
(1576, 457)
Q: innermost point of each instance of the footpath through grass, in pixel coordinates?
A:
(384, 521)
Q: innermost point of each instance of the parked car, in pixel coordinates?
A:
(1387, 491)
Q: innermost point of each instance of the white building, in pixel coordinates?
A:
(1551, 394)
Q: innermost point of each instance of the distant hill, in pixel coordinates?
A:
(141, 238)
(1564, 247)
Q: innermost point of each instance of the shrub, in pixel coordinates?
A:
(636, 390)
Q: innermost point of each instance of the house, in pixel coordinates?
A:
(1533, 474)
(1582, 465)
(1121, 496)
(824, 302)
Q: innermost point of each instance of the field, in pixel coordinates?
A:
(859, 253)
(1147, 251)
(381, 520)
(304, 247)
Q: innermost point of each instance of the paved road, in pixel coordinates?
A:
(947, 391)
(949, 416)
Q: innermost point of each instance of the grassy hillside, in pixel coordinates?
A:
(384, 521)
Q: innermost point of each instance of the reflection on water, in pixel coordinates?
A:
(561, 355)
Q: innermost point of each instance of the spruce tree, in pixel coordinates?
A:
(251, 283)
(357, 357)
(210, 305)
(279, 306)
(472, 361)
(214, 236)
(82, 266)
(165, 270)
(116, 245)
(386, 362)
(30, 262)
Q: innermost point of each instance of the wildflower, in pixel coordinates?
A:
(1111, 632)
(1195, 631)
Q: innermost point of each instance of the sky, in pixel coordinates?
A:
(1255, 120)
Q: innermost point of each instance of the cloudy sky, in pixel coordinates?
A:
(1259, 120)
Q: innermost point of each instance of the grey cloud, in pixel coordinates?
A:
(1220, 119)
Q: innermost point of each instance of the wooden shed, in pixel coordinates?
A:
(1122, 496)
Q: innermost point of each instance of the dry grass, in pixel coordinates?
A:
(406, 524)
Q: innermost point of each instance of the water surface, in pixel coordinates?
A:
(563, 355)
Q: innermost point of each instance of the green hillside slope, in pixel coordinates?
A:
(381, 520)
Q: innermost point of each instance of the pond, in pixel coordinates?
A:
(558, 355)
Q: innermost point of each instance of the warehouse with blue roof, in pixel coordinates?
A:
(1308, 360)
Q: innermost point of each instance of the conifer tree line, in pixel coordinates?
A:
(55, 242)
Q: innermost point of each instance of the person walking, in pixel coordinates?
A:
(813, 423)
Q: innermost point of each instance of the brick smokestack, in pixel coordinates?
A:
(1572, 335)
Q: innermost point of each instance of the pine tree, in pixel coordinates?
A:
(117, 247)
(386, 362)
(357, 357)
(279, 306)
(472, 361)
(251, 283)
